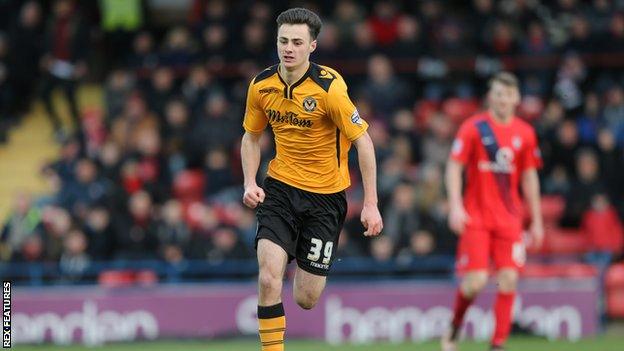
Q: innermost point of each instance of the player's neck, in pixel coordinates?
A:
(292, 76)
(501, 119)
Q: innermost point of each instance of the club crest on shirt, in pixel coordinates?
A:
(355, 118)
(458, 146)
(516, 142)
(309, 104)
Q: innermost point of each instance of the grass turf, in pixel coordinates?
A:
(515, 344)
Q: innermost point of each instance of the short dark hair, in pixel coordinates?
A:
(300, 15)
(505, 78)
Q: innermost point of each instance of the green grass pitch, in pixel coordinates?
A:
(515, 344)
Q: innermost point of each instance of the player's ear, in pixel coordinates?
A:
(313, 45)
(517, 97)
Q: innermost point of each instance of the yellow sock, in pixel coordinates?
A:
(272, 325)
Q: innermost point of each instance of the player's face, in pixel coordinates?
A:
(294, 45)
(503, 99)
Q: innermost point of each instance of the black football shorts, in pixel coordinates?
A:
(306, 225)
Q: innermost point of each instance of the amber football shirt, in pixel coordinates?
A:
(314, 123)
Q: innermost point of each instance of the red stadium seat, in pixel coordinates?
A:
(460, 109)
(531, 108)
(189, 186)
(552, 208)
(615, 276)
(146, 277)
(423, 110)
(577, 270)
(568, 270)
(116, 278)
(615, 303)
(533, 270)
(614, 290)
(604, 230)
(565, 241)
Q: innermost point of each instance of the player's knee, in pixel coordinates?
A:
(306, 300)
(269, 283)
(507, 280)
(474, 284)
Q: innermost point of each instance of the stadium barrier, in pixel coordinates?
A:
(347, 313)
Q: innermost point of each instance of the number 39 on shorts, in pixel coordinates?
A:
(317, 248)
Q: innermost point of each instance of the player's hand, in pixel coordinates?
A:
(537, 233)
(458, 217)
(371, 220)
(253, 196)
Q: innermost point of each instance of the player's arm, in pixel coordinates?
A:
(371, 218)
(531, 191)
(250, 158)
(343, 113)
(457, 214)
(254, 123)
(460, 155)
(531, 160)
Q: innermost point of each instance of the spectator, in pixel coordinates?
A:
(347, 17)
(26, 37)
(136, 231)
(225, 245)
(611, 165)
(204, 136)
(65, 51)
(614, 112)
(382, 249)
(173, 233)
(87, 189)
(590, 120)
(401, 216)
(143, 58)
(603, 227)
(178, 52)
(384, 23)
(383, 89)
(614, 41)
(581, 39)
(585, 186)
(117, 90)
(218, 170)
(421, 244)
(347, 248)
(75, 260)
(409, 44)
(198, 88)
(57, 222)
(23, 221)
(120, 22)
(436, 144)
(100, 233)
(6, 90)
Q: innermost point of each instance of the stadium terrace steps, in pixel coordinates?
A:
(31, 144)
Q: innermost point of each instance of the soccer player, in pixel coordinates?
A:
(498, 151)
(302, 205)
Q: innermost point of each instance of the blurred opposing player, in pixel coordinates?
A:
(302, 204)
(498, 151)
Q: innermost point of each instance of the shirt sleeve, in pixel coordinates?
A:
(531, 154)
(463, 144)
(255, 119)
(343, 112)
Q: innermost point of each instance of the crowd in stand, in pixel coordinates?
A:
(156, 173)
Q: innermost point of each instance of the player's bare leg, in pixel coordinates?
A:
(272, 260)
(472, 283)
(308, 288)
(507, 281)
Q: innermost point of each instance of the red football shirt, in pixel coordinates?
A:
(491, 195)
